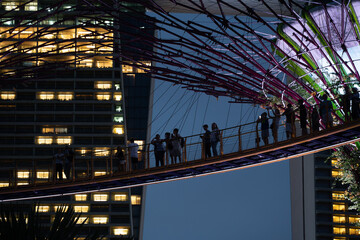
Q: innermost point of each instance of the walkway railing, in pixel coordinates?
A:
(100, 164)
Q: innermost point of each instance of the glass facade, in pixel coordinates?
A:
(92, 103)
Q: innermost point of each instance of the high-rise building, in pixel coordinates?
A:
(318, 206)
(93, 102)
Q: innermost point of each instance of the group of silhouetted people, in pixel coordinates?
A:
(64, 159)
(173, 147)
(349, 106)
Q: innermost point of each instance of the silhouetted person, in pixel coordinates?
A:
(69, 159)
(345, 103)
(315, 120)
(214, 138)
(176, 141)
(168, 145)
(59, 161)
(290, 121)
(120, 159)
(206, 141)
(264, 124)
(303, 117)
(355, 111)
(275, 123)
(325, 111)
(159, 150)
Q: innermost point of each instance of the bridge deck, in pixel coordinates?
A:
(255, 156)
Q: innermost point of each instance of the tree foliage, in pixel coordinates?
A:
(17, 223)
(348, 160)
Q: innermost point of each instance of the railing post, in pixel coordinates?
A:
(111, 163)
(34, 172)
(184, 151)
(202, 150)
(15, 173)
(147, 156)
(221, 143)
(257, 135)
(129, 161)
(92, 165)
(166, 156)
(73, 168)
(239, 135)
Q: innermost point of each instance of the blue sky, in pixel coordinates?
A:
(244, 204)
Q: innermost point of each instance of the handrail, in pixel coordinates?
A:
(231, 140)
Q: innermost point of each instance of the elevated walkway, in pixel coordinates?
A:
(193, 165)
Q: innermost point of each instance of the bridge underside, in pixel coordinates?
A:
(327, 139)
(213, 6)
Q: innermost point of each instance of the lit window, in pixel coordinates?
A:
(44, 140)
(99, 173)
(101, 151)
(118, 129)
(23, 174)
(100, 197)
(4, 184)
(354, 220)
(122, 197)
(83, 151)
(60, 207)
(121, 231)
(135, 200)
(338, 196)
(117, 86)
(127, 69)
(46, 95)
(100, 220)
(143, 67)
(10, 6)
(117, 96)
(104, 64)
(339, 219)
(334, 162)
(88, 63)
(80, 197)
(339, 206)
(56, 130)
(103, 96)
(82, 220)
(22, 183)
(118, 108)
(81, 208)
(47, 130)
(7, 95)
(118, 119)
(354, 231)
(65, 96)
(32, 6)
(59, 130)
(140, 143)
(64, 140)
(42, 208)
(42, 174)
(337, 173)
(339, 230)
(103, 85)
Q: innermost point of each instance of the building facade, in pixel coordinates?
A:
(318, 206)
(91, 101)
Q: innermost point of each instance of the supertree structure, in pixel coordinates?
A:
(257, 56)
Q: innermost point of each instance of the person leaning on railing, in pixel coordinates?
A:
(133, 148)
(326, 111)
(214, 138)
(120, 159)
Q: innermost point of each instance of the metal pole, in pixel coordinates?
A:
(111, 163)
(148, 156)
(239, 135)
(92, 165)
(184, 152)
(221, 143)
